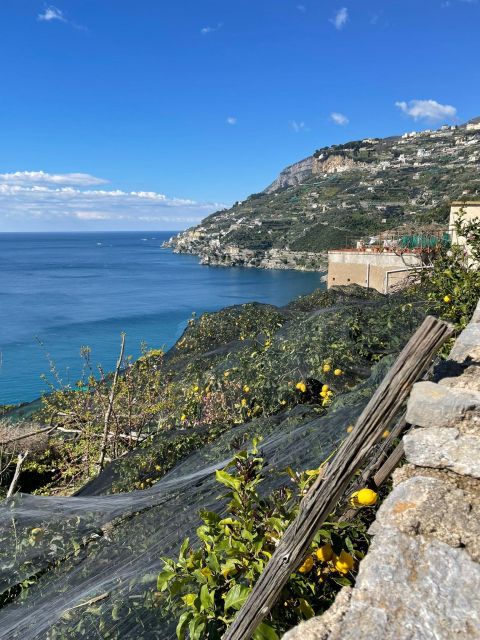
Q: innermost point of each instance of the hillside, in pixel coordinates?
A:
(341, 193)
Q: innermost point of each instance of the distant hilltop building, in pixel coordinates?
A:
(473, 126)
(385, 261)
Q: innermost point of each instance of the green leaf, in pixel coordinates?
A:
(306, 609)
(212, 562)
(209, 517)
(182, 624)
(163, 578)
(228, 567)
(203, 532)
(246, 535)
(196, 627)
(236, 597)
(229, 481)
(183, 548)
(206, 598)
(265, 632)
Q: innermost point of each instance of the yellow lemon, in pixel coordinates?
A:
(36, 534)
(364, 498)
(325, 388)
(307, 566)
(324, 553)
(337, 372)
(367, 497)
(246, 388)
(344, 562)
(350, 428)
(244, 402)
(447, 299)
(301, 386)
(326, 368)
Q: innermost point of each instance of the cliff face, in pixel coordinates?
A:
(293, 175)
(339, 194)
(335, 164)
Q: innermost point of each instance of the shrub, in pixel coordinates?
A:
(452, 285)
(207, 585)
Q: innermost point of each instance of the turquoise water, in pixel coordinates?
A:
(61, 291)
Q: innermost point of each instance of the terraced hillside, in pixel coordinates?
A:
(341, 193)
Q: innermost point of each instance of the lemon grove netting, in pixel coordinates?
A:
(90, 568)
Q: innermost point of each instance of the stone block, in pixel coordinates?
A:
(444, 448)
(432, 404)
(434, 509)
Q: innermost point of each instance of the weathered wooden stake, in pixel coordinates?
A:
(377, 416)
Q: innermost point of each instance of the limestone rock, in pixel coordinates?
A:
(411, 588)
(434, 509)
(293, 175)
(322, 627)
(467, 345)
(433, 404)
(444, 448)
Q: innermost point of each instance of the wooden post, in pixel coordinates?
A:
(377, 416)
(390, 465)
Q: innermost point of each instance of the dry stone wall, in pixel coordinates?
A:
(421, 577)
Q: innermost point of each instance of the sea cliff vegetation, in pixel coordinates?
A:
(150, 435)
(227, 369)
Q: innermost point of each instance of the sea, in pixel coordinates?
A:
(62, 291)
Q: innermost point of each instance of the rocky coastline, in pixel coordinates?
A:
(212, 253)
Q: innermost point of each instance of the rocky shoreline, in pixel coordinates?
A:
(212, 253)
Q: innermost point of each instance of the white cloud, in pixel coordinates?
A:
(51, 13)
(427, 110)
(91, 215)
(340, 19)
(60, 199)
(301, 7)
(231, 120)
(298, 126)
(339, 118)
(40, 177)
(206, 30)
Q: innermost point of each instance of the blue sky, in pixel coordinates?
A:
(152, 114)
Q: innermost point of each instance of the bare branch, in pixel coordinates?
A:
(111, 398)
(16, 475)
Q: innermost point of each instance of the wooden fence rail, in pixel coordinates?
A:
(377, 416)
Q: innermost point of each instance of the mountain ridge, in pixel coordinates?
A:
(340, 193)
